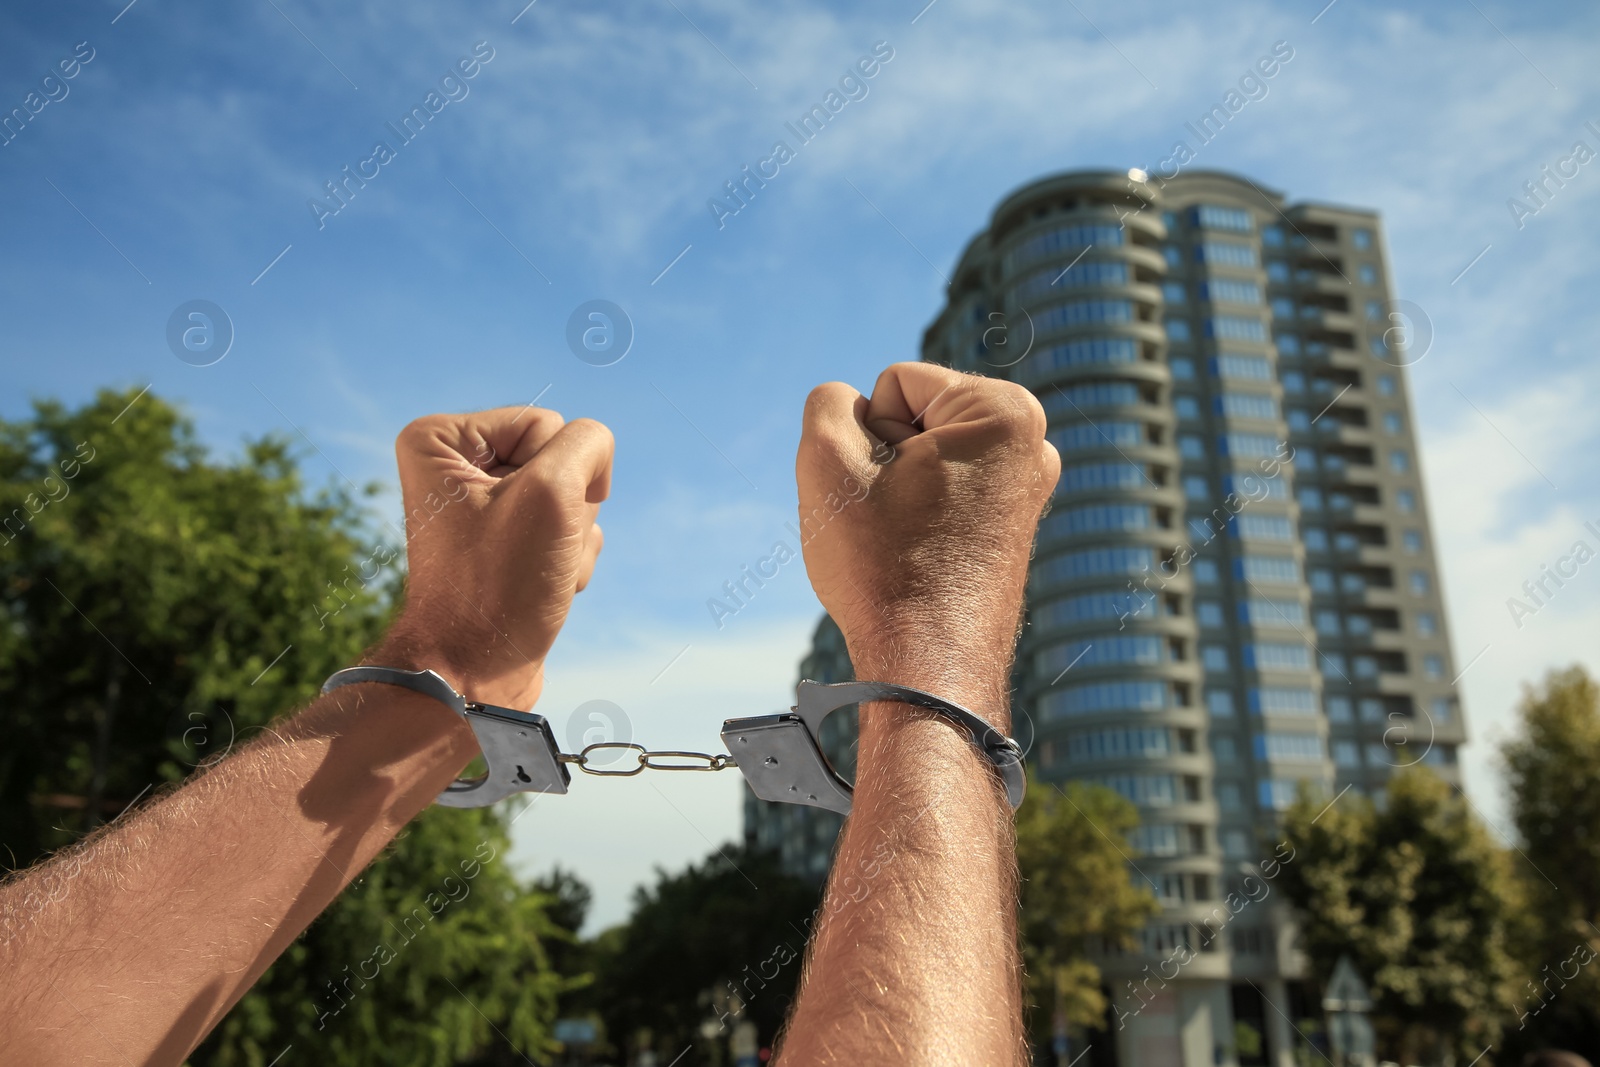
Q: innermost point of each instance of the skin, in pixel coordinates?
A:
(914, 959)
(131, 946)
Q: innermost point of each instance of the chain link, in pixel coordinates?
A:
(646, 760)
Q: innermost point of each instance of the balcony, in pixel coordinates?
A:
(1317, 281)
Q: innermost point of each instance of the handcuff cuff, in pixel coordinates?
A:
(779, 755)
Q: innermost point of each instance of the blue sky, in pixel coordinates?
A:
(578, 166)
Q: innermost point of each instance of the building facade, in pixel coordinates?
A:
(802, 836)
(1234, 594)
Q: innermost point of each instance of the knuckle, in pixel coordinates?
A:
(822, 397)
(1019, 411)
(917, 367)
(545, 491)
(595, 430)
(547, 419)
(826, 416)
(1037, 421)
(419, 430)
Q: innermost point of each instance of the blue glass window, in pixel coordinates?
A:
(1276, 794)
(1088, 395)
(1295, 747)
(1090, 606)
(1103, 696)
(1265, 527)
(1096, 518)
(1250, 368)
(1267, 611)
(1213, 217)
(1283, 701)
(1079, 436)
(1080, 312)
(1085, 476)
(1079, 275)
(1106, 350)
(1234, 328)
(1273, 656)
(1249, 406)
(1063, 238)
(1249, 445)
(1118, 743)
(1280, 570)
(1147, 790)
(1229, 291)
(1102, 650)
(1226, 254)
(1131, 559)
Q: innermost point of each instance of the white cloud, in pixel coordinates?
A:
(1497, 522)
(594, 139)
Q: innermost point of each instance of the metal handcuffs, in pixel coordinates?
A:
(779, 755)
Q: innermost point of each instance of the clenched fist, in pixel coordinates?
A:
(500, 533)
(942, 478)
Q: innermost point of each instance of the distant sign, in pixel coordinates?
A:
(576, 1031)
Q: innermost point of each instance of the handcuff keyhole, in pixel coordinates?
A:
(522, 775)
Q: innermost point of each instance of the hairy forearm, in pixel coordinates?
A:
(914, 959)
(130, 946)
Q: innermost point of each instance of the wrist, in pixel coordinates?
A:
(978, 679)
(416, 646)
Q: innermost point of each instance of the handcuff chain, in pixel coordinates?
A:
(646, 758)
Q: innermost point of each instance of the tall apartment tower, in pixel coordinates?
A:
(803, 837)
(1235, 590)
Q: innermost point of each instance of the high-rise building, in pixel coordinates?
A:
(803, 836)
(1235, 591)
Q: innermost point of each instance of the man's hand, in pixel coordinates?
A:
(924, 572)
(500, 533)
(165, 918)
(933, 555)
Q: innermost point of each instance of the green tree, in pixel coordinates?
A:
(721, 940)
(157, 607)
(1420, 898)
(1553, 775)
(1072, 849)
(433, 956)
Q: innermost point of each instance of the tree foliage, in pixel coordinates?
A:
(1553, 775)
(433, 955)
(1072, 848)
(1419, 897)
(144, 600)
(721, 940)
(157, 606)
